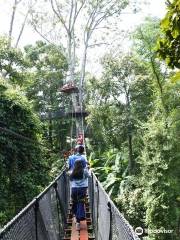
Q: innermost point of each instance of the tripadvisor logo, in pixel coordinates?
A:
(139, 231)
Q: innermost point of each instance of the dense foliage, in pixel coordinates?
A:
(12, 62)
(135, 125)
(29, 89)
(168, 45)
(20, 159)
(46, 68)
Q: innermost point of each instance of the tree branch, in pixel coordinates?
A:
(44, 37)
(98, 44)
(12, 21)
(70, 16)
(58, 14)
(22, 29)
(78, 11)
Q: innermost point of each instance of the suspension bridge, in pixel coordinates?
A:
(49, 215)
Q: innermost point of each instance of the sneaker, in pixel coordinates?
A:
(74, 219)
(77, 226)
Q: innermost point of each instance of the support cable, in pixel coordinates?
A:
(110, 222)
(97, 220)
(58, 208)
(92, 196)
(72, 123)
(36, 217)
(81, 117)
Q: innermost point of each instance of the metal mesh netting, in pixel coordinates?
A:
(22, 228)
(44, 218)
(91, 196)
(108, 222)
(121, 229)
(95, 208)
(63, 194)
(49, 214)
(104, 215)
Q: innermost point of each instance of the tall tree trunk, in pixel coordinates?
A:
(12, 21)
(131, 160)
(131, 164)
(22, 29)
(51, 102)
(50, 129)
(159, 84)
(81, 90)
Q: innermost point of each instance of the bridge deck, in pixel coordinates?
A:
(86, 229)
(79, 235)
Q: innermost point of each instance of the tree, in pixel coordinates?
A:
(12, 63)
(21, 153)
(159, 169)
(119, 103)
(79, 34)
(150, 198)
(125, 75)
(158, 158)
(47, 66)
(168, 44)
(145, 39)
(27, 7)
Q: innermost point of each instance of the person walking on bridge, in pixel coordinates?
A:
(78, 156)
(79, 185)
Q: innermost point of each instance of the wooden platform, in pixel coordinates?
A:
(82, 234)
(74, 232)
(62, 114)
(86, 230)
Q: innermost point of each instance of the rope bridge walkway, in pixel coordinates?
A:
(49, 217)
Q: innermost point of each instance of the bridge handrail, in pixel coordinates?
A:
(33, 208)
(109, 223)
(44, 217)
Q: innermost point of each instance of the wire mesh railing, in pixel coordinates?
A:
(108, 222)
(45, 217)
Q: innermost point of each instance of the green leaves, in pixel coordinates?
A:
(169, 44)
(47, 65)
(12, 62)
(176, 77)
(20, 160)
(150, 117)
(158, 164)
(165, 23)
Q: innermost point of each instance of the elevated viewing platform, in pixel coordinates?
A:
(69, 88)
(63, 114)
